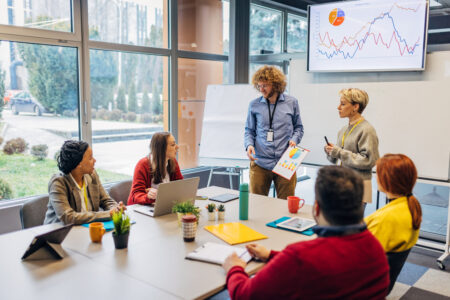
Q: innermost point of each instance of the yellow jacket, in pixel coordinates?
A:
(392, 226)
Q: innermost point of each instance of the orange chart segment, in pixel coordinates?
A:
(336, 17)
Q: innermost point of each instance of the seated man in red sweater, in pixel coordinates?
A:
(345, 261)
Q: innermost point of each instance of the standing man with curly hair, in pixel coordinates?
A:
(273, 124)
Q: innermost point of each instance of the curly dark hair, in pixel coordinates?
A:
(270, 74)
(339, 193)
(70, 155)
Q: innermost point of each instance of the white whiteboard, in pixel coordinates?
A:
(410, 111)
(224, 118)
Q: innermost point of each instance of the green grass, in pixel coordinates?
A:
(28, 176)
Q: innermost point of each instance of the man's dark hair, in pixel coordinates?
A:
(70, 155)
(339, 193)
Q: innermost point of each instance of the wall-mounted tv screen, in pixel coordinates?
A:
(367, 35)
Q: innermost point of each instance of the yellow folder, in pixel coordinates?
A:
(235, 233)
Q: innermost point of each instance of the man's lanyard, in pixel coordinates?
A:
(273, 113)
(345, 135)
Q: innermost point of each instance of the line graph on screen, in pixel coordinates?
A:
(367, 35)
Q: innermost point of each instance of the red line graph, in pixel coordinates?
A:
(376, 39)
(359, 40)
(354, 36)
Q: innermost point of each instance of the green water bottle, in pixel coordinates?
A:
(243, 201)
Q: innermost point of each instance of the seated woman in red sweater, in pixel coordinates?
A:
(345, 261)
(158, 167)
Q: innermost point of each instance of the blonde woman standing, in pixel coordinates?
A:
(357, 142)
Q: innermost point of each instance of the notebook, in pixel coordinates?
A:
(169, 194)
(235, 233)
(224, 198)
(217, 253)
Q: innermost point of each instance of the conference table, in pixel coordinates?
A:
(152, 267)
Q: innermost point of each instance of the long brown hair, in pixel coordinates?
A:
(157, 157)
(397, 175)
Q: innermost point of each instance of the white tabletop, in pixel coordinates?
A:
(153, 266)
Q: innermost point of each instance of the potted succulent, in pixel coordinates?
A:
(185, 208)
(221, 211)
(211, 207)
(121, 231)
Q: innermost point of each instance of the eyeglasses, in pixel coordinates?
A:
(263, 86)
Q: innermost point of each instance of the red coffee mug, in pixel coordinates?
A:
(294, 204)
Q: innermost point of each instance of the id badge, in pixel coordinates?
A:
(270, 135)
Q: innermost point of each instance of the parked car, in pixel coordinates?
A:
(9, 94)
(24, 102)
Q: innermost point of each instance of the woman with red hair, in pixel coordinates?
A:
(397, 224)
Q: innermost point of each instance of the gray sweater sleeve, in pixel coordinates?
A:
(360, 151)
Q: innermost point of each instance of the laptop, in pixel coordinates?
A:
(168, 195)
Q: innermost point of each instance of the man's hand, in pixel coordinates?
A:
(292, 143)
(233, 260)
(259, 252)
(251, 153)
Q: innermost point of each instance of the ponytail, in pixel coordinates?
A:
(415, 210)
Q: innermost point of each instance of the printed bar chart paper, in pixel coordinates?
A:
(290, 161)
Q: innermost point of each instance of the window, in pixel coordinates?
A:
(127, 91)
(297, 33)
(142, 23)
(40, 109)
(203, 26)
(41, 14)
(265, 30)
(193, 79)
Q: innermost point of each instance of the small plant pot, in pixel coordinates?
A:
(121, 241)
(211, 216)
(221, 215)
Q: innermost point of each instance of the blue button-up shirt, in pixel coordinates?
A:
(287, 125)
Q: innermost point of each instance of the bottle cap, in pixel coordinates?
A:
(243, 187)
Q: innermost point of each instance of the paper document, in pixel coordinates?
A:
(290, 161)
(217, 253)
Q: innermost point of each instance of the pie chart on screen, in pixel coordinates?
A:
(336, 17)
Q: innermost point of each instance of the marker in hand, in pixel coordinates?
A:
(326, 140)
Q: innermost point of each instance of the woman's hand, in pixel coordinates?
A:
(259, 252)
(292, 143)
(329, 148)
(233, 260)
(120, 207)
(151, 193)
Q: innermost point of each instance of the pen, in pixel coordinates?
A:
(326, 140)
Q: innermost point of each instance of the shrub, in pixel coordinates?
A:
(101, 114)
(146, 118)
(5, 190)
(114, 115)
(130, 116)
(39, 151)
(157, 119)
(68, 113)
(56, 155)
(17, 145)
